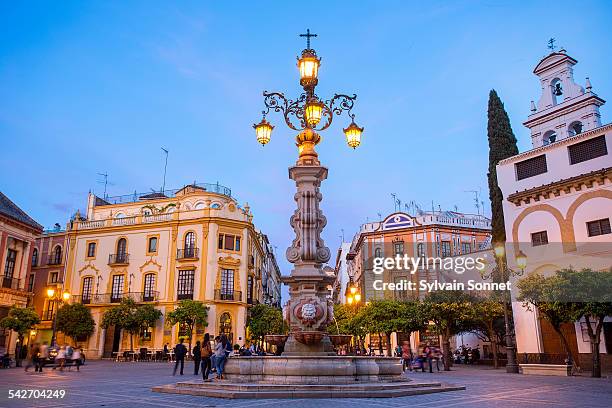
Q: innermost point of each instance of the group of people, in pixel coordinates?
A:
(415, 361)
(208, 355)
(38, 356)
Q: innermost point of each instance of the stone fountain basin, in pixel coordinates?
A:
(312, 369)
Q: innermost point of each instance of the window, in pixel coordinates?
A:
(587, 150)
(446, 249)
(598, 227)
(227, 284)
(574, 129)
(53, 277)
(9, 267)
(539, 238)
(56, 256)
(549, 137)
(152, 245)
(50, 308)
(531, 167)
(466, 248)
(149, 288)
(190, 240)
(249, 289)
(91, 250)
(398, 247)
(229, 242)
(378, 253)
(121, 246)
(421, 250)
(31, 283)
(185, 284)
(117, 288)
(87, 289)
(35, 257)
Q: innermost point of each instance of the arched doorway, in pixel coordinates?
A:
(225, 326)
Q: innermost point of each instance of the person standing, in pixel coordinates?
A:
(406, 356)
(206, 357)
(60, 358)
(428, 355)
(179, 352)
(196, 352)
(220, 356)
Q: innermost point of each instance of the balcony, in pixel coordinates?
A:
(54, 261)
(183, 296)
(119, 259)
(187, 253)
(11, 283)
(235, 296)
(103, 298)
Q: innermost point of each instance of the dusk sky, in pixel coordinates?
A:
(95, 87)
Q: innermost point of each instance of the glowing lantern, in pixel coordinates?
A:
(263, 131)
(313, 112)
(353, 135)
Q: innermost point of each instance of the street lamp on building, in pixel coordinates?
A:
(56, 297)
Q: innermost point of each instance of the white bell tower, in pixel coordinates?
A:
(565, 108)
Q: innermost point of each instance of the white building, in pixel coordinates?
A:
(558, 200)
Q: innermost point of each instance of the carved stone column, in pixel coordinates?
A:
(309, 309)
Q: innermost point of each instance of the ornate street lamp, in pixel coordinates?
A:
(56, 298)
(309, 311)
(308, 113)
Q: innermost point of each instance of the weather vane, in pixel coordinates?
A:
(308, 35)
(551, 44)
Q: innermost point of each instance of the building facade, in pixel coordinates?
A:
(48, 264)
(341, 274)
(192, 243)
(428, 234)
(270, 276)
(18, 232)
(558, 201)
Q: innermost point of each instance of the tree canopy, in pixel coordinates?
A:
(21, 320)
(189, 313)
(75, 320)
(130, 317)
(264, 319)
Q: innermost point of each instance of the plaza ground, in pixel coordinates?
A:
(110, 384)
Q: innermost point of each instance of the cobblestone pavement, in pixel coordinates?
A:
(110, 384)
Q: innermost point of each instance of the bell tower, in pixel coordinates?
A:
(564, 108)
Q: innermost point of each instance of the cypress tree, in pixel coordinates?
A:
(502, 144)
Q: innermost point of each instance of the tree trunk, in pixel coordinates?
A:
(446, 351)
(573, 359)
(131, 342)
(594, 338)
(388, 336)
(493, 338)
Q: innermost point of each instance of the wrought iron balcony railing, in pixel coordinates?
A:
(235, 296)
(100, 298)
(187, 253)
(54, 261)
(9, 282)
(119, 259)
(183, 296)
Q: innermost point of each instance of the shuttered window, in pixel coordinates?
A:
(598, 227)
(531, 167)
(539, 238)
(587, 150)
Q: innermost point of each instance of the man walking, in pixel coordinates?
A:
(42, 359)
(179, 352)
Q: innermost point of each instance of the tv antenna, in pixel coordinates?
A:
(105, 175)
(163, 189)
(477, 202)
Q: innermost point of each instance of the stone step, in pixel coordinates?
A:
(304, 387)
(380, 391)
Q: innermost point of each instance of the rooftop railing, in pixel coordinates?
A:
(130, 198)
(102, 298)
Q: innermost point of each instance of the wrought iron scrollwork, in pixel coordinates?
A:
(293, 110)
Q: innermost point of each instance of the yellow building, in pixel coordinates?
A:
(192, 243)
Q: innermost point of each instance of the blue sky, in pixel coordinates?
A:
(90, 87)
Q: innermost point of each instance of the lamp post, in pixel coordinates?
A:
(309, 309)
(56, 298)
(353, 296)
(521, 261)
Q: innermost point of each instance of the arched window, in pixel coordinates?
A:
(35, 257)
(378, 253)
(121, 246)
(574, 128)
(149, 287)
(225, 325)
(549, 137)
(87, 290)
(557, 90)
(200, 205)
(57, 255)
(190, 244)
(421, 250)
